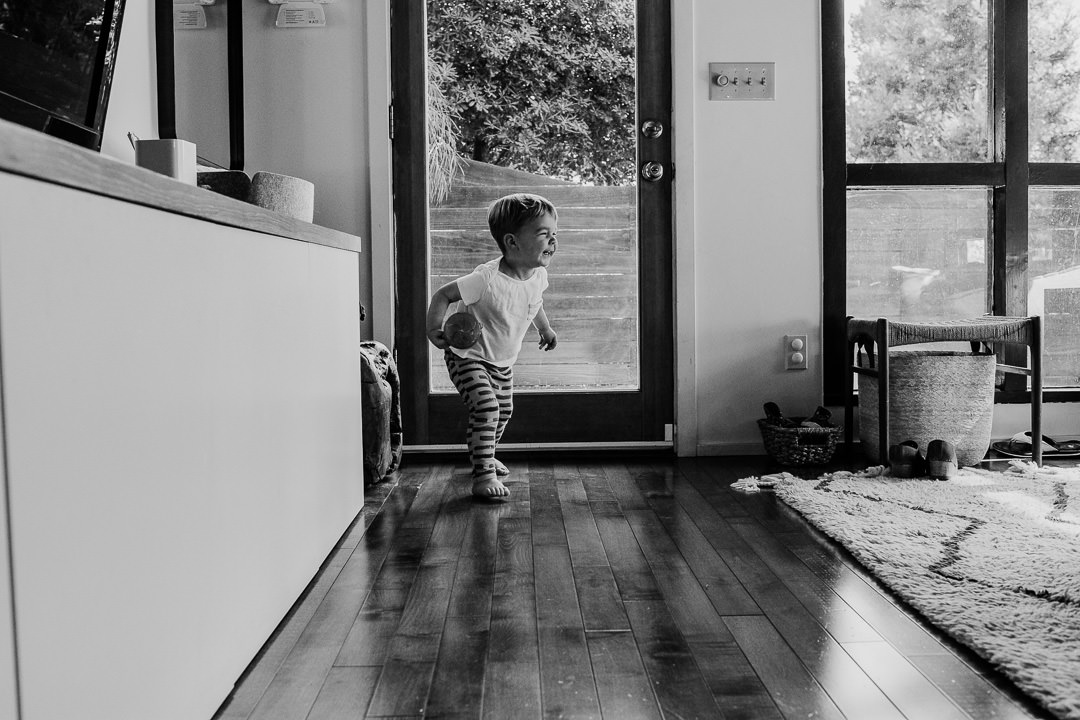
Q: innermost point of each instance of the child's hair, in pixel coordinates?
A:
(509, 213)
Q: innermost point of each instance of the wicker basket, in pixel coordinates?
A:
(933, 394)
(799, 445)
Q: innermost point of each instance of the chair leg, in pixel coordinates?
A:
(1036, 389)
(883, 390)
(849, 400)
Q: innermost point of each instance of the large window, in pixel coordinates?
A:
(951, 133)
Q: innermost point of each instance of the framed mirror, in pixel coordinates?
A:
(200, 77)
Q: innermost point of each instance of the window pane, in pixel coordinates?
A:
(917, 254)
(1054, 70)
(1054, 285)
(568, 135)
(916, 78)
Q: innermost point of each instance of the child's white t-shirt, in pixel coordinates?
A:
(505, 306)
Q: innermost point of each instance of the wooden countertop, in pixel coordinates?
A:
(36, 155)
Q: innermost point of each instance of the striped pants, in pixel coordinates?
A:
(488, 392)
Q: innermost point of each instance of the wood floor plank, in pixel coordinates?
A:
(712, 524)
(345, 694)
(547, 516)
(567, 687)
(375, 495)
(512, 674)
(598, 596)
(973, 692)
(622, 684)
(595, 482)
(405, 680)
(690, 606)
(624, 488)
(680, 689)
(458, 682)
(605, 589)
(368, 641)
(790, 684)
(631, 570)
(852, 691)
(471, 594)
(296, 683)
(713, 484)
(723, 588)
(885, 618)
(735, 686)
(372, 550)
(778, 594)
(583, 538)
(909, 689)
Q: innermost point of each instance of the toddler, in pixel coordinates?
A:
(506, 296)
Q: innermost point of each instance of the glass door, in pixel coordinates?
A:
(571, 101)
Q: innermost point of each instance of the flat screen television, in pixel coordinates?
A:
(56, 65)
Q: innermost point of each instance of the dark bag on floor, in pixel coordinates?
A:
(381, 411)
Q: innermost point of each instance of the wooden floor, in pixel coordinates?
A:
(640, 589)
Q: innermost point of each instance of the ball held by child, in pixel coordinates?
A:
(462, 330)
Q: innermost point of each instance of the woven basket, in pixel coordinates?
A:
(799, 445)
(933, 394)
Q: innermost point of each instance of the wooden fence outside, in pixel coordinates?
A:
(592, 299)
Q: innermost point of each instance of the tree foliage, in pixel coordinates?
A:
(545, 86)
(919, 88)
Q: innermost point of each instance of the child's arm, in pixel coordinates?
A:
(548, 338)
(440, 301)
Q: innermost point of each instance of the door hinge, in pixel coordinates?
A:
(391, 122)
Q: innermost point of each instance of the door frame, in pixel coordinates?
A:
(410, 204)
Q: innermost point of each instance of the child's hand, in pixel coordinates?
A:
(438, 338)
(548, 339)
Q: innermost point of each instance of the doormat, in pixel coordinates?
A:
(991, 558)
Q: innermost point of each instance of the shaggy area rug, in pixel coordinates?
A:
(992, 558)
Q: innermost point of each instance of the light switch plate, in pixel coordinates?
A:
(301, 15)
(742, 81)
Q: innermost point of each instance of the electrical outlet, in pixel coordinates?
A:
(795, 352)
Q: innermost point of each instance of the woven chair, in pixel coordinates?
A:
(880, 334)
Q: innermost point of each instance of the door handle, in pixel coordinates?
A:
(652, 171)
(652, 128)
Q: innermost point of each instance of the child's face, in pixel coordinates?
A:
(534, 243)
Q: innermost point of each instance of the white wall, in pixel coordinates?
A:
(756, 261)
(748, 222)
(749, 236)
(306, 113)
(306, 110)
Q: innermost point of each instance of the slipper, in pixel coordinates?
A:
(941, 460)
(1019, 445)
(905, 460)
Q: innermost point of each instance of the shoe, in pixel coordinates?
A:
(905, 460)
(773, 416)
(1019, 445)
(941, 459)
(820, 418)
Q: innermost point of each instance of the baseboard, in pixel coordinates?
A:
(731, 448)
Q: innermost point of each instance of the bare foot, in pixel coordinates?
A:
(490, 489)
(500, 469)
